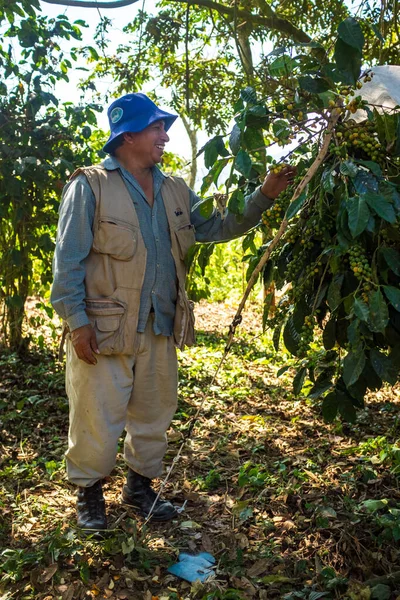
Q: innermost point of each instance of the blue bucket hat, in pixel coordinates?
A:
(133, 112)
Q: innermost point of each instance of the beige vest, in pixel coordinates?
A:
(116, 263)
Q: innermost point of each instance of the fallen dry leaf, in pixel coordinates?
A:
(48, 573)
(206, 542)
(242, 540)
(69, 594)
(259, 567)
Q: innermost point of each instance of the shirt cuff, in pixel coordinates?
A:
(261, 200)
(77, 320)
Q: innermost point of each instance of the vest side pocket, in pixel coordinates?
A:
(190, 333)
(107, 319)
(186, 239)
(117, 239)
(184, 333)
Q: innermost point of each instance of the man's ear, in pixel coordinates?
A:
(129, 137)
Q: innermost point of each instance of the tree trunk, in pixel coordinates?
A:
(194, 149)
(18, 278)
(15, 318)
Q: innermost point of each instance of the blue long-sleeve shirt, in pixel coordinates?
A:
(75, 238)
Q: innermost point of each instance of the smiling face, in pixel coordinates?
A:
(145, 147)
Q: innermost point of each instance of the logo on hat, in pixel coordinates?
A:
(116, 114)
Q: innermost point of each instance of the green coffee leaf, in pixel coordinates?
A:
(282, 65)
(383, 366)
(314, 85)
(381, 206)
(361, 309)
(393, 295)
(249, 95)
(207, 207)
(334, 296)
(298, 381)
(346, 408)
(330, 406)
(236, 203)
(282, 370)
(248, 244)
(268, 273)
(235, 139)
(353, 333)
(213, 174)
(322, 385)
(291, 337)
(353, 366)
(253, 139)
(372, 166)
(328, 180)
(351, 33)
(281, 128)
(295, 206)
(359, 214)
(348, 168)
(243, 163)
(348, 60)
(379, 314)
(392, 259)
(329, 335)
(210, 153)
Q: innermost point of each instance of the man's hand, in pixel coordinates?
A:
(275, 183)
(85, 344)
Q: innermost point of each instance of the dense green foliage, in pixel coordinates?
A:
(337, 264)
(42, 142)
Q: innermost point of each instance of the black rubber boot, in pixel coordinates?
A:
(138, 493)
(91, 508)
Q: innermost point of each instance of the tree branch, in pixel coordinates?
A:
(272, 21)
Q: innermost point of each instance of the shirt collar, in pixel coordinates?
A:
(111, 164)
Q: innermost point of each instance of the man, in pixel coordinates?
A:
(119, 285)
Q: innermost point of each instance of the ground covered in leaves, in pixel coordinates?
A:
(289, 506)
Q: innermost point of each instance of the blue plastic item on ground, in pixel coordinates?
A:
(191, 567)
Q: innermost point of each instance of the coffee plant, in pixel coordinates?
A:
(332, 281)
(42, 141)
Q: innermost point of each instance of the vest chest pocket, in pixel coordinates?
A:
(107, 318)
(186, 239)
(115, 238)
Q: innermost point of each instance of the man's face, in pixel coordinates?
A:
(148, 145)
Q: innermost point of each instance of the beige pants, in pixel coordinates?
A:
(135, 392)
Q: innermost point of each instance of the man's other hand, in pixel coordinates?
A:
(275, 183)
(84, 341)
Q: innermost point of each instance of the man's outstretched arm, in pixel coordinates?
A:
(217, 229)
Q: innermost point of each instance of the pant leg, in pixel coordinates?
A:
(98, 397)
(153, 403)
